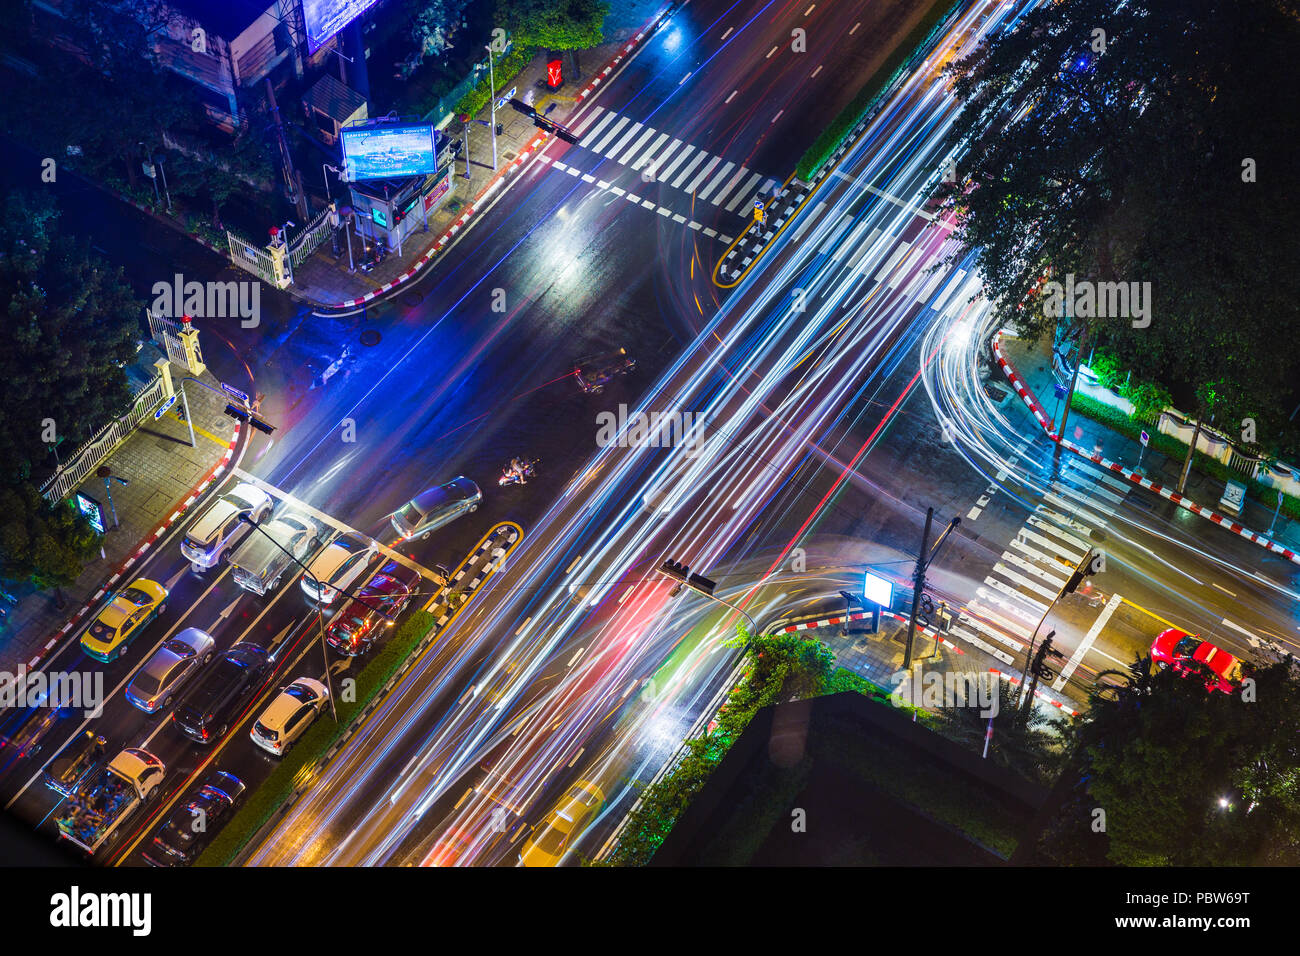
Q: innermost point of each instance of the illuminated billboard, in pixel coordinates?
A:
(388, 152)
(324, 18)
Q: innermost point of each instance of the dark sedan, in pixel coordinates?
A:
(195, 821)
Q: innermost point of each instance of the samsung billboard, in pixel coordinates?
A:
(388, 152)
(324, 18)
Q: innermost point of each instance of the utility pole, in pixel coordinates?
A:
(1091, 563)
(492, 89)
(923, 559)
(1035, 668)
(1187, 462)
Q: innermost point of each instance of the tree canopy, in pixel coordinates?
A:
(1167, 773)
(556, 24)
(1145, 143)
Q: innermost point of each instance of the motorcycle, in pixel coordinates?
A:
(509, 476)
(379, 254)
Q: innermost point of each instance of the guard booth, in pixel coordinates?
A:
(392, 209)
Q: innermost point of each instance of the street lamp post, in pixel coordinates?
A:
(108, 476)
(320, 611)
(166, 192)
(492, 99)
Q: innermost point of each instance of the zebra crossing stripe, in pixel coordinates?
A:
(1077, 507)
(811, 217)
(988, 629)
(1024, 582)
(905, 266)
(632, 131)
(1035, 569)
(1016, 603)
(935, 279)
(995, 618)
(731, 184)
(1090, 493)
(583, 123)
(980, 643)
(1064, 519)
(677, 153)
(635, 147)
(891, 262)
(646, 156)
(613, 131)
(744, 190)
(713, 183)
(681, 177)
(1055, 547)
(708, 168)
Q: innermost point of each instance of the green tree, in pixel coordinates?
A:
(431, 24)
(1185, 777)
(553, 24)
(48, 543)
(1123, 158)
(1029, 746)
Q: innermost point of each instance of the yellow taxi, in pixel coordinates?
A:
(125, 616)
(547, 844)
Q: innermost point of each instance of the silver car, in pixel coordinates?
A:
(430, 510)
(155, 685)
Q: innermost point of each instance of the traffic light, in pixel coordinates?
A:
(682, 574)
(242, 414)
(1094, 562)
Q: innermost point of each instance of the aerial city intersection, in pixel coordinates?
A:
(586, 434)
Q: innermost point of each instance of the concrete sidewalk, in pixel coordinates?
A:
(1031, 361)
(164, 473)
(324, 281)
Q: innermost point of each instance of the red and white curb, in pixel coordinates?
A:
(1038, 694)
(479, 202)
(217, 470)
(1181, 500)
(861, 616)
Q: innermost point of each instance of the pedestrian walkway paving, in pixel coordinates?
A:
(162, 472)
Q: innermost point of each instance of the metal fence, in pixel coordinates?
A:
(86, 458)
(166, 332)
(251, 257)
(310, 239)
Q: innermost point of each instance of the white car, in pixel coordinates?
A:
(219, 529)
(343, 561)
(288, 716)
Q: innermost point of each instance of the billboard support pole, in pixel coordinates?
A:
(492, 99)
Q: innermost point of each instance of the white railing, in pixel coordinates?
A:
(86, 458)
(310, 239)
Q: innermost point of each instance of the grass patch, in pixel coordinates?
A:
(865, 101)
(508, 67)
(1118, 421)
(300, 763)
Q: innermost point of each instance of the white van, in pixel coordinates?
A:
(209, 540)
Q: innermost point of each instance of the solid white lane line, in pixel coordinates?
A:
(1088, 639)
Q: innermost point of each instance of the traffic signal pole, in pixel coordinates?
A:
(918, 587)
(1081, 570)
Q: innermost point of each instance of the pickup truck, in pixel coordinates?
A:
(106, 799)
(260, 562)
(81, 756)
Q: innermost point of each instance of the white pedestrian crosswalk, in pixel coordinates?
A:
(1050, 542)
(642, 148)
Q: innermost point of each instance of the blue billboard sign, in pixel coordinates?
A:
(324, 18)
(388, 152)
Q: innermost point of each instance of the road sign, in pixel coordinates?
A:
(501, 103)
(162, 409)
(231, 390)
(1145, 438)
(1059, 389)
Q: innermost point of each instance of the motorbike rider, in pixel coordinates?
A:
(519, 468)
